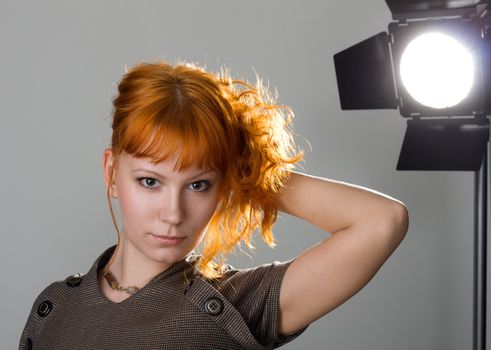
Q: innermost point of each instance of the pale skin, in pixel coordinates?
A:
(366, 227)
(155, 199)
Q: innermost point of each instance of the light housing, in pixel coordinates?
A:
(369, 77)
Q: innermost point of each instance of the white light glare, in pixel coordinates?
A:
(436, 70)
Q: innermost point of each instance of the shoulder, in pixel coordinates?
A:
(54, 294)
(255, 293)
(267, 276)
(56, 291)
(46, 303)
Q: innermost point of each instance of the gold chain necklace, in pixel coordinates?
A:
(115, 286)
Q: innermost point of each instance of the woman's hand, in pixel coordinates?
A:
(366, 228)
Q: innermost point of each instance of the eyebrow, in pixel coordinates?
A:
(163, 177)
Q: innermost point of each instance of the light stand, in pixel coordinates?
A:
(480, 253)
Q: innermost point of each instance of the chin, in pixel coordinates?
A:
(168, 254)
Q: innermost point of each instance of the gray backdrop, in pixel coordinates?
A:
(59, 64)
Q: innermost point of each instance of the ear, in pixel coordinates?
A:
(108, 167)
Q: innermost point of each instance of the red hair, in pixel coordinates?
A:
(216, 122)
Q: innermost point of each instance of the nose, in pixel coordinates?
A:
(172, 210)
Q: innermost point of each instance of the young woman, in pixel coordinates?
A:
(198, 162)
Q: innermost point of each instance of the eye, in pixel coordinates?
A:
(147, 182)
(199, 187)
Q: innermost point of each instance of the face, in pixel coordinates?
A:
(156, 200)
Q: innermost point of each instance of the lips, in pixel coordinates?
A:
(168, 240)
(170, 237)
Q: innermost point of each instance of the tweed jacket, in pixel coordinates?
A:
(177, 309)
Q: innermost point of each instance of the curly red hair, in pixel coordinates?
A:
(226, 125)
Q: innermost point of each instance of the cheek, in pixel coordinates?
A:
(134, 204)
(205, 210)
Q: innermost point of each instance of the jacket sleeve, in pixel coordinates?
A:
(35, 322)
(255, 292)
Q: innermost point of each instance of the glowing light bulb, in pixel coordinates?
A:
(436, 70)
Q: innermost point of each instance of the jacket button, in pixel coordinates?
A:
(45, 308)
(28, 344)
(74, 281)
(213, 306)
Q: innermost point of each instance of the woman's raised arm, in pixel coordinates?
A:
(366, 227)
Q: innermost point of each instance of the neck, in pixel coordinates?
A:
(132, 268)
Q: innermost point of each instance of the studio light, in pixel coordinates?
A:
(434, 66)
(434, 62)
